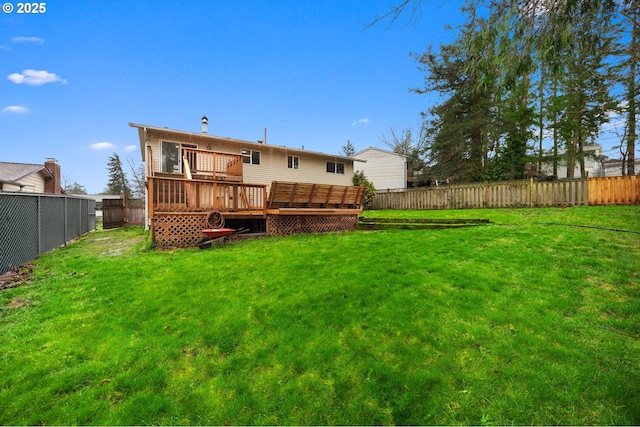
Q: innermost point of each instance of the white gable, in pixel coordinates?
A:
(385, 169)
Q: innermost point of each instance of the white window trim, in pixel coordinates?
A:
(180, 146)
(248, 154)
(335, 168)
(295, 162)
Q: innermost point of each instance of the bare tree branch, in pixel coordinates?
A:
(396, 12)
(137, 171)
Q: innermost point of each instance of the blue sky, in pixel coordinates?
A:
(73, 77)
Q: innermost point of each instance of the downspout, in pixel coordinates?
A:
(146, 189)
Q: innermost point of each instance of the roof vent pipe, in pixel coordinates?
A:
(205, 125)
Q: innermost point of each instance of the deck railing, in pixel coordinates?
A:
(197, 195)
(203, 164)
(212, 165)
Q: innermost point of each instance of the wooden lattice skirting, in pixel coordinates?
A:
(279, 225)
(184, 230)
(177, 230)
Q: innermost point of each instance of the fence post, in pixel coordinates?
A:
(585, 191)
(66, 217)
(39, 219)
(125, 211)
(531, 192)
(80, 216)
(486, 194)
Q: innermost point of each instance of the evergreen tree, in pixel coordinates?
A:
(359, 179)
(75, 188)
(585, 84)
(511, 54)
(458, 131)
(117, 179)
(348, 150)
(628, 48)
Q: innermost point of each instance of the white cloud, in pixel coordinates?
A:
(28, 40)
(102, 146)
(130, 148)
(16, 109)
(32, 77)
(617, 118)
(364, 121)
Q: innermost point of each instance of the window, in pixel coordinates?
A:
(171, 156)
(335, 167)
(251, 157)
(331, 167)
(293, 162)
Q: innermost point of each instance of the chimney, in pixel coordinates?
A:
(205, 125)
(52, 185)
(263, 141)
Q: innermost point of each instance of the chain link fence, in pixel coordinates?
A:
(32, 224)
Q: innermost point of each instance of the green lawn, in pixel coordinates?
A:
(528, 320)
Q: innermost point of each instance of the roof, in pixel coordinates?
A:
(591, 150)
(380, 150)
(618, 161)
(13, 172)
(142, 129)
(100, 197)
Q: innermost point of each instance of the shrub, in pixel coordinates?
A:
(359, 179)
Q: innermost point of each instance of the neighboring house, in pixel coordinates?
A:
(31, 178)
(592, 163)
(257, 186)
(614, 167)
(385, 169)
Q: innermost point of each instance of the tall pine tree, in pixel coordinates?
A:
(460, 131)
(117, 178)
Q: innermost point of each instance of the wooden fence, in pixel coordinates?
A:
(614, 190)
(525, 193)
(121, 212)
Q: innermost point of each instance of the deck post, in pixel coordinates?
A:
(344, 196)
(216, 204)
(264, 202)
(235, 197)
(151, 198)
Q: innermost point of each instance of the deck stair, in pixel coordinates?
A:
(417, 223)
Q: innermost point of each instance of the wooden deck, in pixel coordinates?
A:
(214, 166)
(180, 195)
(299, 195)
(179, 207)
(239, 200)
(179, 202)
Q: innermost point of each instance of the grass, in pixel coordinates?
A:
(517, 322)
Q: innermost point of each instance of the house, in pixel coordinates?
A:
(593, 157)
(385, 169)
(613, 167)
(162, 150)
(31, 178)
(266, 188)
